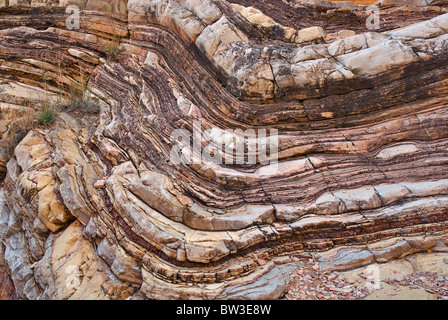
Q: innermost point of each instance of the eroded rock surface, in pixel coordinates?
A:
(94, 207)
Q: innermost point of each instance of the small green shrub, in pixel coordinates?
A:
(47, 115)
(112, 52)
(113, 49)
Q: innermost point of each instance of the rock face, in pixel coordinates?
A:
(95, 207)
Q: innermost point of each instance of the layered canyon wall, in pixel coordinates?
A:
(92, 206)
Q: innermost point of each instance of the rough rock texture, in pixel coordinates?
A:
(93, 207)
(421, 276)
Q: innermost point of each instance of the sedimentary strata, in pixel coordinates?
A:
(93, 207)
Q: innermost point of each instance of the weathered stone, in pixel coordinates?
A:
(86, 56)
(269, 286)
(217, 36)
(424, 30)
(345, 258)
(378, 59)
(93, 205)
(310, 34)
(265, 23)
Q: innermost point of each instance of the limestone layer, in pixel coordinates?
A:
(94, 207)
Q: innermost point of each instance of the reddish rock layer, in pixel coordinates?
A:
(94, 207)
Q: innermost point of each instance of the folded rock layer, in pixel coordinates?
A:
(94, 206)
